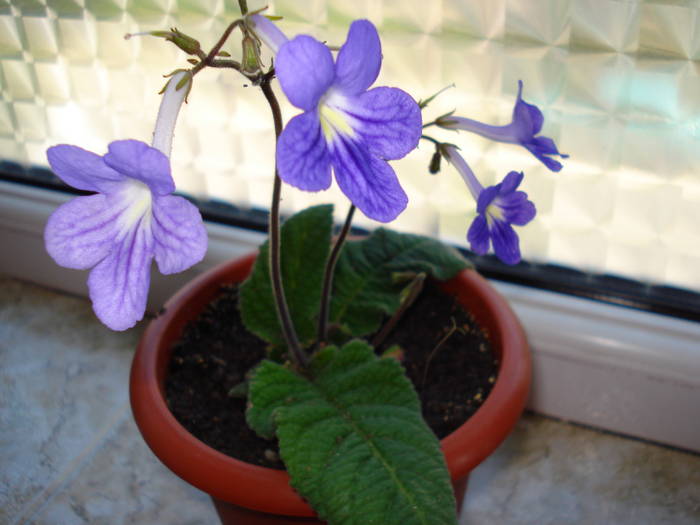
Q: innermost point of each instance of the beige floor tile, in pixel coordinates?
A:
(70, 452)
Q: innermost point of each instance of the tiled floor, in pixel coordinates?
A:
(70, 453)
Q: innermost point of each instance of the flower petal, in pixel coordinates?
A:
(268, 32)
(478, 235)
(510, 182)
(527, 117)
(140, 161)
(119, 283)
(82, 169)
(81, 232)
(486, 197)
(540, 147)
(302, 155)
(517, 209)
(305, 70)
(388, 119)
(179, 235)
(359, 60)
(370, 183)
(505, 241)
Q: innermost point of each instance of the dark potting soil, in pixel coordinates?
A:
(446, 355)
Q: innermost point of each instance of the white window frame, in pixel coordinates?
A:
(607, 366)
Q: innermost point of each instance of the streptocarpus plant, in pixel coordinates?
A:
(348, 421)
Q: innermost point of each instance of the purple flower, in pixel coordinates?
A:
(498, 208)
(131, 219)
(527, 122)
(343, 125)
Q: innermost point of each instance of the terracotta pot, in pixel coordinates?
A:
(252, 495)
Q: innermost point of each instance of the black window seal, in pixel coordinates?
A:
(606, 288)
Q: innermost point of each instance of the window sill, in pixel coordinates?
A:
(610, 367)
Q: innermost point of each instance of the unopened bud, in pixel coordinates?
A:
(251, 55)
(435, 162)
(188, 44)
(444, 121)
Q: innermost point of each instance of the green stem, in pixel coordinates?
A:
(431, 139)
(288, 331)
(209, 59)
(229, 63)
(328, 278)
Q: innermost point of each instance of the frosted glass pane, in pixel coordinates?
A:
(618, 82)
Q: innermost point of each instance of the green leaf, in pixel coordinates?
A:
(353, 439)
(305, 243)
(365, 284)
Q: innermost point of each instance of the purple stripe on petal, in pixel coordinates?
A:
(119, 283)
(305, 69)
(140, 161)
(478, 235)
(370, 183)
(82, 169)
(359, 60)
(302, 155)
(178, 232)
(388, 119)
(81, 232)
(505, 242)
(517, 209)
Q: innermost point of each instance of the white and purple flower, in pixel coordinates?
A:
(344, 126)
(527, 122)
(117, 232)
(498, 208)
(131, 219)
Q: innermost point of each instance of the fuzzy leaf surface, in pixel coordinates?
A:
(353, 439)
(305, 243)
(365, 288)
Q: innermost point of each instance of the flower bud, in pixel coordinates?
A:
(188, 44)
(251, 55)
(435, 162)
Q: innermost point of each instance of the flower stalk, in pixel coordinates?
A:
(210, 58)
(288, 331)
(328, 278)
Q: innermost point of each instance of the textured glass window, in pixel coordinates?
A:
(618, 82)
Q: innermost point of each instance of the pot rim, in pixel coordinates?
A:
(238, 482)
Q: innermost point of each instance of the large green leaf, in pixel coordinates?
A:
(353, 439)
(365, 284)
(305, 243)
